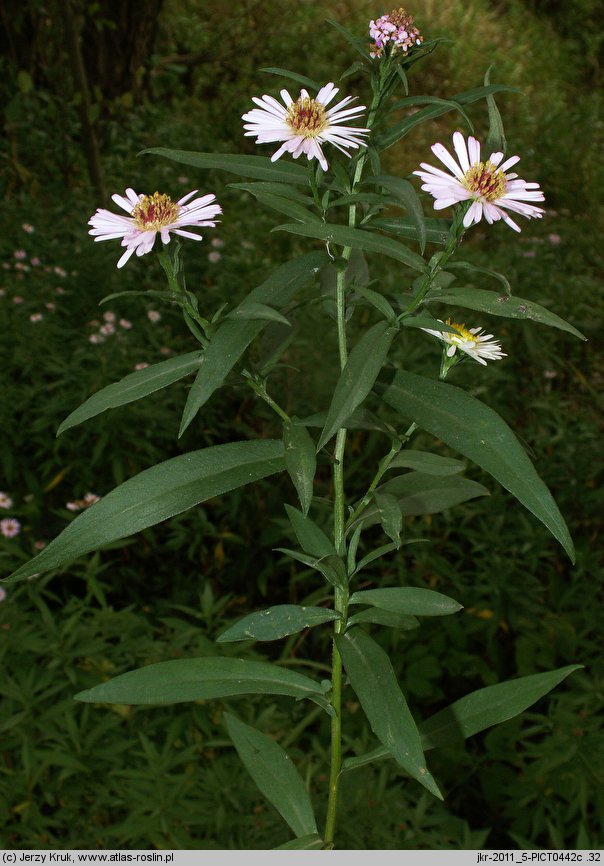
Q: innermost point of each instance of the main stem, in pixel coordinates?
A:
(339, 520)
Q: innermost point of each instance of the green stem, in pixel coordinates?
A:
(259, 388)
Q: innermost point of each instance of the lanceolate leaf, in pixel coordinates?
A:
(276, 622)
(373, 679)
(156, 494)
(300, 461)
(477, 432)
(233, 337)
(257, 167)
(385, 617)
(181, 680)
(426, 462)
(272, 770)
(390, 516)
(509, 306)
(284, 205)
(287, 73)
(357, 239)
(311, 537)
(437, 230)
(401, 129)
(133, 387)
(358, 377)
(410, 600)
(489, 706)
(476, 712)
(406, 194)
(304, 843)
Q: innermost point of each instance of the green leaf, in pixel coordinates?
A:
(272, 770)
(509, 307)
(401, 129)
(134, 387)
(389, 618)
(489, 706)
(294, 76)
(410, 600)
(284, 205)
(437, 230)
(300, 461)
(446, 104)
(477, 432)
(311, 538)
(390, 516)
(378, 301)
(476, 712)
(232, 337)
(157, 493)
(478, 269)
(406, 194)
(376, 553)
(373, 679)
(331, 567)
(426, 462)
(358, 377)
(257, 311)
(304, 843)
(276, 622)
(358, 44)
(181, 680)
(495, 140)
(257, 167)
(418, 493)
(279, 189)
(357, 239)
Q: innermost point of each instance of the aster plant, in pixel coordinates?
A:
(353, 214)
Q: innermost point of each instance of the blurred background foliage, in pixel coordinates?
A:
(84, 88)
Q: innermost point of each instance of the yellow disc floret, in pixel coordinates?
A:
(307, 117)
(463, 337)
(485, 181)
(155, 212)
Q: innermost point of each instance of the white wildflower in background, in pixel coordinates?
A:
(304, 124)
(149, 215)
(95, 339)
(28, 228)
(217, 243)
(20, 255)
(107, 329)
(9, 527)
(153, 316)
(481, 347)
(109, 316)
(395, 31)
(488, 185)
(214, 257)
(36, 317)
(142, 365)
(80, 504)
(5, 500)
(125, 324)
(3, 593)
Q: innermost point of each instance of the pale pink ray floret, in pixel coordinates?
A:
(490, 186)
(305, 124)
(150, 215)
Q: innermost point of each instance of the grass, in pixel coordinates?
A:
(80, 776)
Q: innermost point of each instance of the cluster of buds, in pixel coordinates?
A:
(397, 29)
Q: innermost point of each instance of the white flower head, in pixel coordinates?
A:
(491, 188)
(9, 527)
(304, 124)
(150, 215)
(5, 501)
(481, 347)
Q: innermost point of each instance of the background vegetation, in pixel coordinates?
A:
(74, 775)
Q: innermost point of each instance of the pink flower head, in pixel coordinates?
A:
(36, 317)
(150, 215)
(107, 329)
(109, 316)
(5, 501)
(20, 255)
(142, 365)
(9, 527)
(3, 593)
(125, 324)
(153, 316)
(489, 186)
(395, 31)
(28, 228)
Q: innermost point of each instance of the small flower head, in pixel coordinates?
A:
(142, 365)
(153, 316)
(394, 32)
(20, 255)
(80, 504)
(27, 227)
(214, 257)
(125, 324)
(36, 317)
(108, 316)
(306, 123)
(150, 215)
(3, 594)
(488, 185)
(9, 527)
(5, 501)
(107, 329)
(471, 341)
